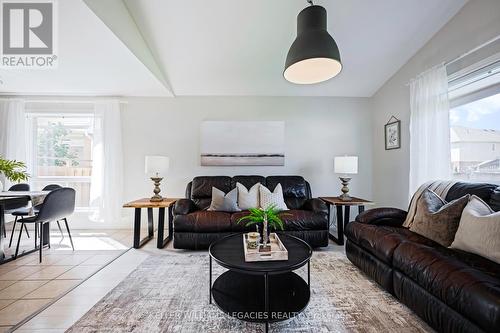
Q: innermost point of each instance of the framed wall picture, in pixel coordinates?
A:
(393, 134)
(242, 143)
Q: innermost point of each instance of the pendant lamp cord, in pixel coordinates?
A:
(310, 2)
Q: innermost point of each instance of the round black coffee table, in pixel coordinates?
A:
(265, 292)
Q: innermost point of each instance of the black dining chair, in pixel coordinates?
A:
(13, 207)
(58, 205)
(27, 211)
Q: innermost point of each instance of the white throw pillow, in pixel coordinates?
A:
(248, 198)
(224, 202)
(275, 198)
(479, 230)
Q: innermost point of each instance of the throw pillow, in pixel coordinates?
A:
(275, 198)
(224, 202)
(248, 198)
(436, 219)
(479, 230)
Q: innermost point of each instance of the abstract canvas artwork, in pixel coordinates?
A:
(242, 143)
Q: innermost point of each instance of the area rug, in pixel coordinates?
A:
(169, 293)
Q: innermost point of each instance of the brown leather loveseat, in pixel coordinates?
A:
(452, 290)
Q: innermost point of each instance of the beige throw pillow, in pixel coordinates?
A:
(248, 198)
(275, 198)
(224, 202)
(479, 230)
(436, 219)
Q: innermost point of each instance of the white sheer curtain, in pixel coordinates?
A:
(13, 134)
(430, 155)
(107, 163)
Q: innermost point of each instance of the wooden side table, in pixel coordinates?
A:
(343, 217)
(161, 205)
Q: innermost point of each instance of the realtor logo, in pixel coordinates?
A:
(28, 32)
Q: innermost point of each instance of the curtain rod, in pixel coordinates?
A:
(460, 57)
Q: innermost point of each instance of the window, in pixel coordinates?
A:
(61, 152)
(475, 138)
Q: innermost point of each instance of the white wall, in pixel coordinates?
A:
(316, 130)
(476, 23)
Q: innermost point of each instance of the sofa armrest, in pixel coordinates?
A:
(315, 205)
(184, 207)
(383, 216)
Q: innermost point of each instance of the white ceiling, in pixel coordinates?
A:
(92, 61)
(232, 47)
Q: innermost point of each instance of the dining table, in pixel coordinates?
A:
(20, 198)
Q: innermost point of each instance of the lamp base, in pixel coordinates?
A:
(345, 189)
(157, 197)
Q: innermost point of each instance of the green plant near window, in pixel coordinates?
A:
(259, 215)
(14, 171)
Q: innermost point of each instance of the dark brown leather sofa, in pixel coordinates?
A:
(196, 228)
(452, 290)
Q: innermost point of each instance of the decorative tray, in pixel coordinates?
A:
(278, 250)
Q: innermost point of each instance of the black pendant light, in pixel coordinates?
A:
(314, 56)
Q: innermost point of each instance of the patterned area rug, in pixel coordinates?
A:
(169, 293)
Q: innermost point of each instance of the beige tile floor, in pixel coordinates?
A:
(26, 286)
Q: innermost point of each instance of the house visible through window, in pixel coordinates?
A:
(61, 152)
(475, 140)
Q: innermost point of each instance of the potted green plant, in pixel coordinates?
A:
(268, 217)
(12, 170)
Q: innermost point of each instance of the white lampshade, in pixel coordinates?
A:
(346, 164)
(157, 165)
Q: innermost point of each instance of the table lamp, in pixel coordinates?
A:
(156, 168)
(345, 165)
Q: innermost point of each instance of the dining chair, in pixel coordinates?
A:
(27, 211)
(58, 205)
(10, 208)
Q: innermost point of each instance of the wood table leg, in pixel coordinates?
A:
(361, 209)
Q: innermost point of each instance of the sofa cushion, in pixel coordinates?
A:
(295, 190)
(381, 241)
(299, 220)
(201, 189)
(436, 219)
(482, 190)
(202, 186)
(294, 220)
(203, 221)
(241, 227)
(467, 283)
(495, 200)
